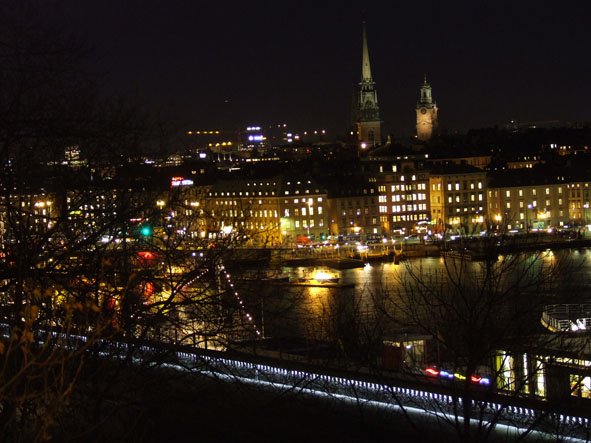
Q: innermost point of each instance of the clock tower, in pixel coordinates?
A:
(368, 124)
(426, 113)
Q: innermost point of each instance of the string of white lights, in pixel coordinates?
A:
(247, 315)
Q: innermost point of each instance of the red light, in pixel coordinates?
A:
(148, 289)
(431, 371)
(475, 378)
(146, 255)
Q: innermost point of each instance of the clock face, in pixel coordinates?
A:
(423, 111)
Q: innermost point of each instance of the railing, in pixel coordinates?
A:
(567, 317)
(387, 395)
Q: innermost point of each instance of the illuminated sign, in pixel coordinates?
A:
(180, 181)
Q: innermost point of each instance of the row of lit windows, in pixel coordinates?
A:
(409, 197)
(409, 217)
(409, 208)
(457, 198)
(297, 192)
(303, 211)
(464, 209)
(520, 192)
(305, 223)
(309, 201)
(233, 194)
(534, 204)
(412, 187)
(456, 186)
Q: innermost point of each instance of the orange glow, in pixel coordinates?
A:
(147, 255)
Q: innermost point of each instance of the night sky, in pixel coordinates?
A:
(219, 64)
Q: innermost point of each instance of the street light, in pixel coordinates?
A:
(310, 201)
(530, 206)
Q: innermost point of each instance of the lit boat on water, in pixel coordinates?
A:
(319, 276)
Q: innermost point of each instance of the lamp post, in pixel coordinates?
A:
(498, 219)
(309, 216)
(530, 206)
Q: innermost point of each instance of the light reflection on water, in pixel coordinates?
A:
(316, 312)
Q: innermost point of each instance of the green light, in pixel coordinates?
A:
(146, 231)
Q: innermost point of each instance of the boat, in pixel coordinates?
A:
(321, 278)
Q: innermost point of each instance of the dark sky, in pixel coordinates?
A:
(223, 64)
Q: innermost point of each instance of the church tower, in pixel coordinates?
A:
(426, 113)
(368, 113)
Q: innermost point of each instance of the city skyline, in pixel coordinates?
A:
(230, 64)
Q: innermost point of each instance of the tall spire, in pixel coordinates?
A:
(365, 68)
(368, 113)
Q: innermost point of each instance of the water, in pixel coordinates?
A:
(371, 307)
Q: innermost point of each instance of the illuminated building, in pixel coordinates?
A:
(353, 208)
(403, 186)
(458, 198)
(527, 200)
(368, 124)
(579, 201)
(269, 211)
(426, 109)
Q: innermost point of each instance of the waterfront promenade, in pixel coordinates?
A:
(353, 255)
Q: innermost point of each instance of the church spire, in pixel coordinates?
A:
(368, 113)
(365, 68)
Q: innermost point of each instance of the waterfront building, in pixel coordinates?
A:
(268, 211)
(457, 198)
(353, 208)
(529, 199)
(403, 186)
(579, 200)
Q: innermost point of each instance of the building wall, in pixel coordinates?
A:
(355, 214)
(402, 192)
(529, 207)
(579, 202)
(458, 202)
